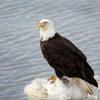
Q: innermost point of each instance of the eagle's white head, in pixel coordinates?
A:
(46, 29)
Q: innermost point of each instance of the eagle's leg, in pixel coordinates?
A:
(59, 75)
(54, 78)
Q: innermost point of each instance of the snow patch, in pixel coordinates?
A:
(42, 89)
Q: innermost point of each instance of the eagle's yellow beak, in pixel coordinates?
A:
(41, 24)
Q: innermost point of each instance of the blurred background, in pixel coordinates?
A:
(21, 60)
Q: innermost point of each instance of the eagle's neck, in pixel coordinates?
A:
(47, 33)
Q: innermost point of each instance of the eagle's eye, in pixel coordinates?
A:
(45, 22)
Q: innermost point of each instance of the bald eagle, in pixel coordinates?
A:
(65, 57)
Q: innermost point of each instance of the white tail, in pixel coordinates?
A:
(88, 88)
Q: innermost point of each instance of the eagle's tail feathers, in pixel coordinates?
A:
(88, 88)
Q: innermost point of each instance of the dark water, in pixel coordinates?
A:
(21, 60)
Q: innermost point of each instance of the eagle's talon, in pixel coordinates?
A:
(63, 78)
(52, 82)
(53, 78)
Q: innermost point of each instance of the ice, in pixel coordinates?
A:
(43, 89)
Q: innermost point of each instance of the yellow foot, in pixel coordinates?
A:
(54, 78)
(63, 78)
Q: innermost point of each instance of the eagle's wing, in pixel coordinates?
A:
(74, 49)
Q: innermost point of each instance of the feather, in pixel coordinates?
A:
(88, 88)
